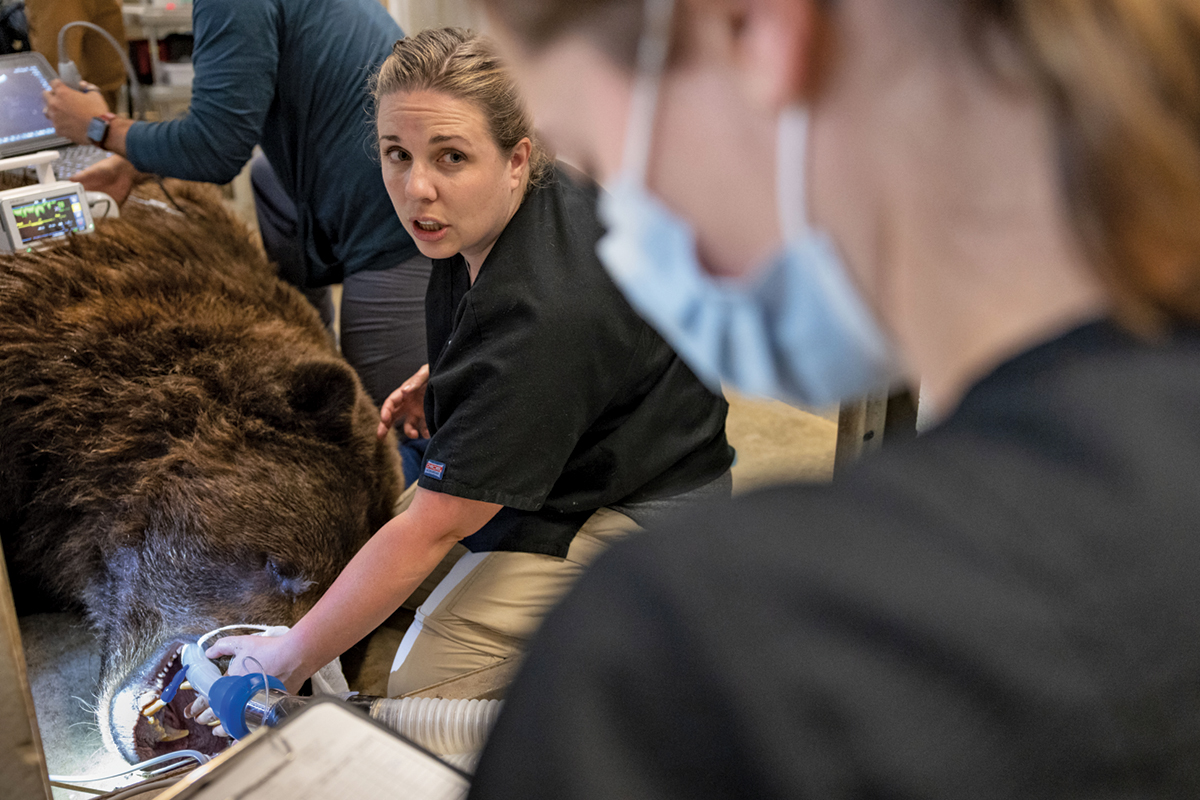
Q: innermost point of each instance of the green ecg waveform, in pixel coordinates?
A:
(57, 207)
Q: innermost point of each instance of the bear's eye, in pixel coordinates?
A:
(288, 578)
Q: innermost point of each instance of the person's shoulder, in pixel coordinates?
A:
(765, 571)
(898, 506)
(548, 249)
(1063, 450)
(575, 185)
(565, 200)
(754, 533)
(211, 17)
(210, 7)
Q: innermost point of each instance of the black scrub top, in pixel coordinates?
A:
(547, 393)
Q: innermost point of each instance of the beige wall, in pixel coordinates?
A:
(416, 15)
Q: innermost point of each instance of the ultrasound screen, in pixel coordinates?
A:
(21, 104)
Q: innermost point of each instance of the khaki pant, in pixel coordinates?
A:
(488, 605)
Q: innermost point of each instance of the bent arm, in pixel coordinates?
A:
(236, 64)
(372, 586)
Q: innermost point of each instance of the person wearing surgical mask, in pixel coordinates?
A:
(767, 306)
(1007, 191)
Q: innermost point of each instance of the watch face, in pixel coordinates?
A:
(96, 130)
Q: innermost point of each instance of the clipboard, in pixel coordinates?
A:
(327, 750)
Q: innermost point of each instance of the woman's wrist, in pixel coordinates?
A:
(306, 656)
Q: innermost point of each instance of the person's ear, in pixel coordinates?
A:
(781, 48)
(518, 162)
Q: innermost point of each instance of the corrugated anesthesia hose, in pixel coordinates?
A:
(467, 762)
(443, 726)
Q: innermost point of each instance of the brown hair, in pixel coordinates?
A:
(465, 65)
(1122, 79)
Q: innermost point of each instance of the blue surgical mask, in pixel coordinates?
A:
(797, 332)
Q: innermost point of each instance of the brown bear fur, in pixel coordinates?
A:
(180, 445)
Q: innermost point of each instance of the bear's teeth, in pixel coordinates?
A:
(171, 735)
(155, 707)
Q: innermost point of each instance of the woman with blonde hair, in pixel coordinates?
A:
(559, 420)
(1005, 607)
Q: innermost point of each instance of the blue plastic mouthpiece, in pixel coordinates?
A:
(230, 694)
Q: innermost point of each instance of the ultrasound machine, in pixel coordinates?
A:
(35, 216)
(24, 128)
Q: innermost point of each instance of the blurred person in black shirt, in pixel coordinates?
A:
(1007, 606)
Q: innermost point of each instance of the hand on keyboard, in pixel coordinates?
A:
(75, 159)
(114, 176)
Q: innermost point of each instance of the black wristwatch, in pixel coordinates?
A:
(97, 129)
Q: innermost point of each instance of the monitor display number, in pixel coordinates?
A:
(49, 216)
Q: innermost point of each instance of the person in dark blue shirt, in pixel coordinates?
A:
(290, 76)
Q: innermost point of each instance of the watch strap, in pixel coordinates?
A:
(98, 128)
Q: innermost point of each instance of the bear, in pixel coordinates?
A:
(181, 446)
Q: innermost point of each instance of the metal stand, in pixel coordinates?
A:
(864, 425)
(40, 160)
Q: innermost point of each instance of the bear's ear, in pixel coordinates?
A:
(325, 392)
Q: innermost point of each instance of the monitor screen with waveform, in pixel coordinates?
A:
(49, 216)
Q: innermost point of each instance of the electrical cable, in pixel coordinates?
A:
(141, 788)
(159, 779)
(260, 628)
(163, 186)
(196, 755)
(157, 204)
(133, 79)
(107, 206)
(74, 787)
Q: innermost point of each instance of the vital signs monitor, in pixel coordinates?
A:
(34, 216)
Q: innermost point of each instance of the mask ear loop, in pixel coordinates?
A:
(651, 61)
(791, 157)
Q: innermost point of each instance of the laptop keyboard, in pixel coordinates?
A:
(72, 160)
(77, 158)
